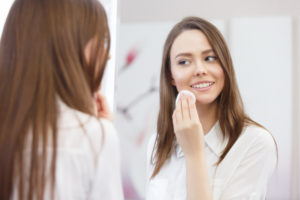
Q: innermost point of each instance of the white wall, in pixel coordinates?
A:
(295, 182)
(4, 9)
(173, 10)
(108, 83)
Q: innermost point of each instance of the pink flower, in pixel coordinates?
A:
(132, 54)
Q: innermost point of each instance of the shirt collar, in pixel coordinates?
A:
(214, 140)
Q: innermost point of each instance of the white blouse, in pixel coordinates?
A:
(244, 173)
(88, 158)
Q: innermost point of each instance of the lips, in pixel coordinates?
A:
(202, 84)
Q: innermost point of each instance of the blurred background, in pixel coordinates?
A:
(264, 39)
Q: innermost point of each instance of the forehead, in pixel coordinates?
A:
(190, 41)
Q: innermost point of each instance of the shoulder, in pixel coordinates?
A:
(258, 136)
(72, 119)
(256, 144)
(249, 164)
(255, 150)
(78, 129)
(100, 131)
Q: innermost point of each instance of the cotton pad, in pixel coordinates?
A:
(186, 92)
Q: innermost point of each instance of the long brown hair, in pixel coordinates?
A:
(231, 115)
(42, 59)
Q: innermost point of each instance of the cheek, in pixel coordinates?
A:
(180, 77)
(179, 80)
(219, 74)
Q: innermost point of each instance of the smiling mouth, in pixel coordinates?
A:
(202, 85)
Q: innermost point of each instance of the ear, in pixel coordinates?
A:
(173, 82)
(88, 49)
(172, 79)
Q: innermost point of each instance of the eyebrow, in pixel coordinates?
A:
(189, 54)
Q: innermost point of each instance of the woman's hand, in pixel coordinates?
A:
(190, 136)
(102, 107)
(187, 127)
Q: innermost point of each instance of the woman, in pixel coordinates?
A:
(209, 149)
(56, 137)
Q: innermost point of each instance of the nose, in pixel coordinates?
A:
(201, 69)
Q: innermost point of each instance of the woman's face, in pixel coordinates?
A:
(195, 67)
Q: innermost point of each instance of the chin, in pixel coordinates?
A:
(205, 101)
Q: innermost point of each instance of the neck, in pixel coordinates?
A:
(207, 115)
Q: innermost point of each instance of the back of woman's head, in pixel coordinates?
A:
(43, 58)
(45, 41)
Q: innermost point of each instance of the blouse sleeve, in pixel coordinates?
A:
(251, 176)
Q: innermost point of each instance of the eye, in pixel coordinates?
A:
(210, 58)
(184, 62)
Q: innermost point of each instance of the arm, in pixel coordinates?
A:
(190, 136)
(197, 178)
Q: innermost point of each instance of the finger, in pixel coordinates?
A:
(106, 116)
(174, 120)
(185, 107)
(178, 104)
(103, 109)
(178, 113)
(97, 98)
(174, 116)
(104, 106)
(192, 108)
(100, 98)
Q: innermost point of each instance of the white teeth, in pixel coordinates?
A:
(202, 85)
